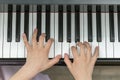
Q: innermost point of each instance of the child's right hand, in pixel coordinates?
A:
(83, 63)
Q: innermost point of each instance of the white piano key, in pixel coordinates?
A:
(1, 34)
(51, 53)
(21, 47)
(43, 22)
(13, 43)
(109, 45)
(6, 45)
(58, 45)
(65, 44)
(85, 27)
(30, 27)
(102, 45)
(81, 27)
(34, 18)
(94, 43)
(72, 33)
(116, 43)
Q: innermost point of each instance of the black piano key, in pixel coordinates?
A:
(118, 10)
(90, 37)
(18, 19)
(111, 23)
(47, 22)
(68, 23)
(60, 23)
(39, 21)
(26, 21)
(77, 24)
(9, 29)
(98, 23)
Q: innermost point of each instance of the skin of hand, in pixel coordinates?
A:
(83, 63)
(37, 58)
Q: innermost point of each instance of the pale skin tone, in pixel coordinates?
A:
(38, 61)
(83, 64)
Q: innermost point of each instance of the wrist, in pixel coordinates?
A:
(22, 74)
(84, 78)
(30, 70)
(25, 73)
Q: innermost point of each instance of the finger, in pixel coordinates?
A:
(74, 52)
(25, 41)
(88, 53)
(41, 40)
(67, 61)
(95, 56)
(49, 43)
(54, 60)
(82, 48)
(34, 41)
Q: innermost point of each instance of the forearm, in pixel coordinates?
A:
(25, 73)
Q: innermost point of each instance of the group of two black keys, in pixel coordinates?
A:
(60, 22)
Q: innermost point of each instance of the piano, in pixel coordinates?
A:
(67, 21)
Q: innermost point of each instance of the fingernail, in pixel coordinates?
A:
(66, 54)
(52, 39)
(72, 47)
(98, 47)
(23, 34)
(85, 42)
(59, 56)
(44, 34)
(35, 29)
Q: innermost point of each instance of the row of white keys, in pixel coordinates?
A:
(72, 33)
(1, 31)
(58, 45)
(21, 47)
(13, 51)
(65, 44)
(109, 45)
(116, 43)
(6, 45)
(102, 45)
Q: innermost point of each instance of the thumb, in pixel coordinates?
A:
(67, 61)
(54, 60)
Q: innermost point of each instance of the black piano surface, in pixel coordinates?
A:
(60, 1)
(100, 62)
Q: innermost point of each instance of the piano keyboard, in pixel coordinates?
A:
(67, 24)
